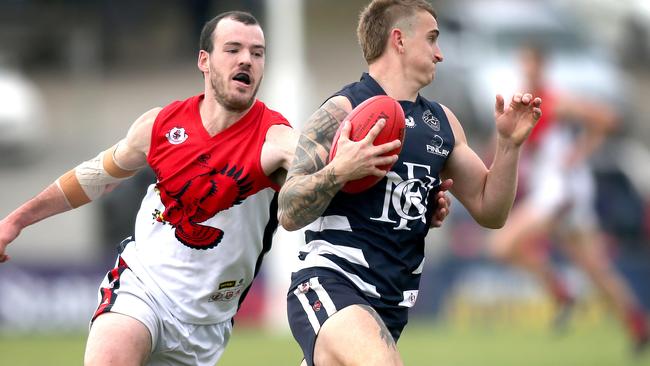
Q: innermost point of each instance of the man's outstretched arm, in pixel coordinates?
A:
(488, 193)
(86, 182)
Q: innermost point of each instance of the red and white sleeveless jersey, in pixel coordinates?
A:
(200, 228)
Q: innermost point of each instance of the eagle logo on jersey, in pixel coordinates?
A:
(199, 199)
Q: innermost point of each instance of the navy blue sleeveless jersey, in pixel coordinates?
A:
(376, 238)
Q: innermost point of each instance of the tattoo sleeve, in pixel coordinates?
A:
(310, 185)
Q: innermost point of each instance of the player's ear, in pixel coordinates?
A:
(203, 61)
(396, 40)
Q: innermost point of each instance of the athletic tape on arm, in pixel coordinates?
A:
(90, 179)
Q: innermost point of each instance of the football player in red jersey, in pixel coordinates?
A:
(134, 324)
(219, 159)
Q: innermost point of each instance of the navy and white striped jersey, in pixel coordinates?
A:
(376, 238)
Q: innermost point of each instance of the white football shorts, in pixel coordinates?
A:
(173, 342)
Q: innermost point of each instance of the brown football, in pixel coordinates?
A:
(362, 118)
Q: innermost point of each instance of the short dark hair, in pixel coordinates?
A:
(205, 41)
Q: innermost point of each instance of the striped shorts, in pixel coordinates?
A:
(317, 294)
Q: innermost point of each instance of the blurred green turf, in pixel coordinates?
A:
(423, 344)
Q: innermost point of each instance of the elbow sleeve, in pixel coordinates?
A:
(90, 179)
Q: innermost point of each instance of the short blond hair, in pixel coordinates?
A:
(379, 17)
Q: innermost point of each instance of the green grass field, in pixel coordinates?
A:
(423, 343)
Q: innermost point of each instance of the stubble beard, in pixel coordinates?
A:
(229, 102)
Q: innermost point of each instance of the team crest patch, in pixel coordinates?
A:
(304, 287)
(410, 297)
(409, 122)
(317, 305)
(176, 135)
(431, 120)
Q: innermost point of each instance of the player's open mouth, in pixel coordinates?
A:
(242, 78)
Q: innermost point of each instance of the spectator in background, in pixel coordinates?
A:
(559, 199)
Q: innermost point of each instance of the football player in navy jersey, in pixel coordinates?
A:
(359, 271)
(204, 227)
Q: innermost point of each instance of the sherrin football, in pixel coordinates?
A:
(362, 118)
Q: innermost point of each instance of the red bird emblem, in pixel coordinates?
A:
(199, 199)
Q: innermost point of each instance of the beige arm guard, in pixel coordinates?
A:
(92, 178)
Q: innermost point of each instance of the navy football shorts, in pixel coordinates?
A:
(316, 294)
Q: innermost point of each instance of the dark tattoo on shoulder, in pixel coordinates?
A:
(309, 188)
(316, 140)
(322, 125)
(383, 331)
(307, 159)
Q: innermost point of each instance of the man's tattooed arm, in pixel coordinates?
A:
(311, 183)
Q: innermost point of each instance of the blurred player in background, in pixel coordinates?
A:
(360, 269)
(559, 199)
(219, 157)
